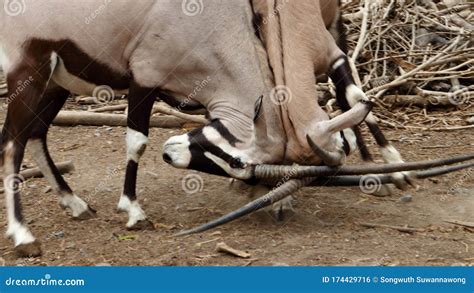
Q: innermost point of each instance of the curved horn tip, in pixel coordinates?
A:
(331, 159)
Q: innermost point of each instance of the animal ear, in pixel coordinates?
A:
(258, 107)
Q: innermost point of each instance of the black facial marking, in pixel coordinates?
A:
(224, 132)
(200, 145)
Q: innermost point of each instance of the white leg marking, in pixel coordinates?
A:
(136, 142)
(38, 153)
(16, 230)
(75, 203)
(391, 155)
(355, 95)
(351, 139)
(135, 212)
(338, 63)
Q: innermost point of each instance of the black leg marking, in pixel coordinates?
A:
(378, 135)
(131, 180)
(140, 105)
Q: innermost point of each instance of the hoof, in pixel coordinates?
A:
(32, 249)
(283, 210)
(143, 225)
(90, 213)
(403, 180)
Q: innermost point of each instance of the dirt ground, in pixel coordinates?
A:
(325, 230)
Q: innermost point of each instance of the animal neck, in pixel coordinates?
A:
(269, 141)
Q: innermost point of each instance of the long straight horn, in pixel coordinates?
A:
(331, 159)
(379, 180)
(294, 184)
(277, 172)
(273, 196)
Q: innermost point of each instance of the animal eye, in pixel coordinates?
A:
(237, 163)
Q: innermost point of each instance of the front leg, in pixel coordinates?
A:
(140, 101)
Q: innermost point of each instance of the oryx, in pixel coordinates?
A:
(156, 48)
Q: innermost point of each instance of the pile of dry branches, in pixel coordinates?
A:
(406, 53)
(413, 52)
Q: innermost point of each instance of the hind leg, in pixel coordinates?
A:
(348, 94)
(27, 84)
(52, 102)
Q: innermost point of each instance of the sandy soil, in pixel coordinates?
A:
(325, 230)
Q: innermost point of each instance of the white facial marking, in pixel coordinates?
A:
(136, 142)
(135, 212)
(216, 138)
(177, 148)
(19, 232)
(241, 174)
